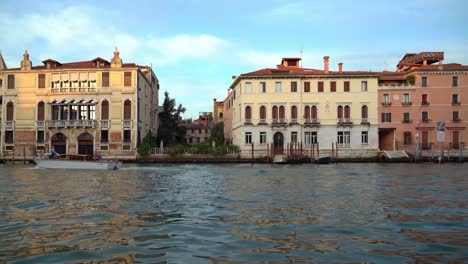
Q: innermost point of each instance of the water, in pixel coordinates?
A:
(379, 213)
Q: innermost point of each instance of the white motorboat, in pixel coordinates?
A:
(78, 162)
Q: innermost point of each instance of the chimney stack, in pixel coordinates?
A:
(340, 67)
(325, 64)
(233, 77)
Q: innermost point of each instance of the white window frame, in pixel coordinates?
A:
(248, 87)
(364, 137)
(277, 87)
(263, 137)
(248, 138)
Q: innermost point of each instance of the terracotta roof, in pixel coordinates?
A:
(81, 65)
(281, 70)
(443, 67)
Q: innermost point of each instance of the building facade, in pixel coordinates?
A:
(89, 107)
(198, 131)
(421, 93)
(218, 111)
(291, 104)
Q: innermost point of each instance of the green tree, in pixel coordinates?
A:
(217, 133)
(170, 130)
(145, 145)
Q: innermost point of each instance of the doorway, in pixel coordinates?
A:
(278, 140)
(85, 144)
(59, 143)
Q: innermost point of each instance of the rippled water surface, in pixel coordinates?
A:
(343, 213)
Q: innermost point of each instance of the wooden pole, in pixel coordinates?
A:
(312, 152)
(301, 151)
(336, 152)
(252, 150)
(24, 154)
(332, 152)
(318, 150)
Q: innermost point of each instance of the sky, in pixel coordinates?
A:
(196, 46)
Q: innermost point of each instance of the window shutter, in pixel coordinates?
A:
(320, 87)
(11, 81)
(41, 83)
(105, 79)
(332, 86)
(346, 86)
(127, 79)
(307, 87)
(105, 110)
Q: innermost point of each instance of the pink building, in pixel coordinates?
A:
(414, 99)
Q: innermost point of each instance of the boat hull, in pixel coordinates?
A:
(76, 164)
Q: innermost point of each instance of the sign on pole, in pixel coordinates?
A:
(441, 131)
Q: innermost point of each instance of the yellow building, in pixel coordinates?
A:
(218, 111)
(88, 107)
(291, 104)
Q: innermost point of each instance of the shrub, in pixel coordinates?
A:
(177, 150)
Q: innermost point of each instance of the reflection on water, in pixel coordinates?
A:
(235, 214)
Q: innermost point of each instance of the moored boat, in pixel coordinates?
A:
(78, 162)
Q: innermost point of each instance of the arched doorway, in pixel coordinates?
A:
(59, 143)
(85, 144)
(278, 139)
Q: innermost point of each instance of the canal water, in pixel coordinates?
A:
(243, 213)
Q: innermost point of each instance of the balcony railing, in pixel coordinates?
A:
(456, 103)
(344, 121)
(40, 124)
(406, 103)
(105, 124)
(456, 145)
(73, 90)
(456, 120)
(248, 122)
(9, 125)
(426, 146)
(424, 102)
(262, 122)
(426, 120)
(407, 121)
(70, 123)
(311, 121)
(279, 121)
(386, 103)
(293, 121)
(127, 124)
(365, 120)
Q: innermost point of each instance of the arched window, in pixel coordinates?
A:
(105, 110)
(248, 113)
(127, 110)
(364, 111)
(294, 112)
(274, 112)
(40, 111)
(262, 112)
(314, 112)
(281, 112)
(9, 112)
(307, 112)
(340, 111)
(347, 112)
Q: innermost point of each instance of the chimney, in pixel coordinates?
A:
(325, 64)
(340, 67)
(233, 77)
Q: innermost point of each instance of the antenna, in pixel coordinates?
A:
(301, 55)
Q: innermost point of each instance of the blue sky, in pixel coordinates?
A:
(196, 46)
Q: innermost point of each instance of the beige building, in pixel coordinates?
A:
(88, 107)
(291, 104)
(218, 111)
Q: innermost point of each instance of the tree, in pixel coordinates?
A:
(170, 130)
(217, 133)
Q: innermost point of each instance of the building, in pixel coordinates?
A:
(198, 131)
(291, 104)
(87, 107)
(218, 111)
(2, 67)
(227, 116)
(420, 93)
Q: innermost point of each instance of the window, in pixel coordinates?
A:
(386, 99)
(220, 115)
(41, 83)
(127, 110)
(190, 140)
(293, 87)
(407, 138)
(262, 113)
(281, 112)
(343, 138)
(332, 87)
(198, 139)
(105, 110)
(205, 139)
(406, 98)
(9, 138)
(307, 112)
(307, 87)
(310, 138)
(248, 114)
(364, 112)
(127, 136)
(346, 86)
(455, 81)
(40, 111)
(199, 131)
(262, 87)
(424, 81)
(206, 131)
(455, 100)
(455, 116)
(248, 137)
(406, 117)
(91, 112)
(347, 111)
(294, 137)
(104, 136)
(320, 87)
(127, 79)
(363, 86)
(339, 111)
(314, 112)
(386, 117)
(424, 99)
(105, 79)
(9, 111)
(274, 112)
(364, 137)
(40, 136)
(425, 116)
(294, 113)
(262, 137)
(11, 81)
(277, 87)
(248, 87)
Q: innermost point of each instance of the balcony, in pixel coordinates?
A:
(248, 122)
(126, 124)
(344, 121)
(73, 90)
(456, 120)
(424, 102)
(426, 120)
(455, 102)
(458, 145)
(386, 103)
(407, 121)
(263, 122)
(70, 123)
(105, 124)
(406, 103)
(365, 121)
(279, 121)
(426, 146)
(397, 87)
(40, 124)
(9, 125)
(293, 121)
